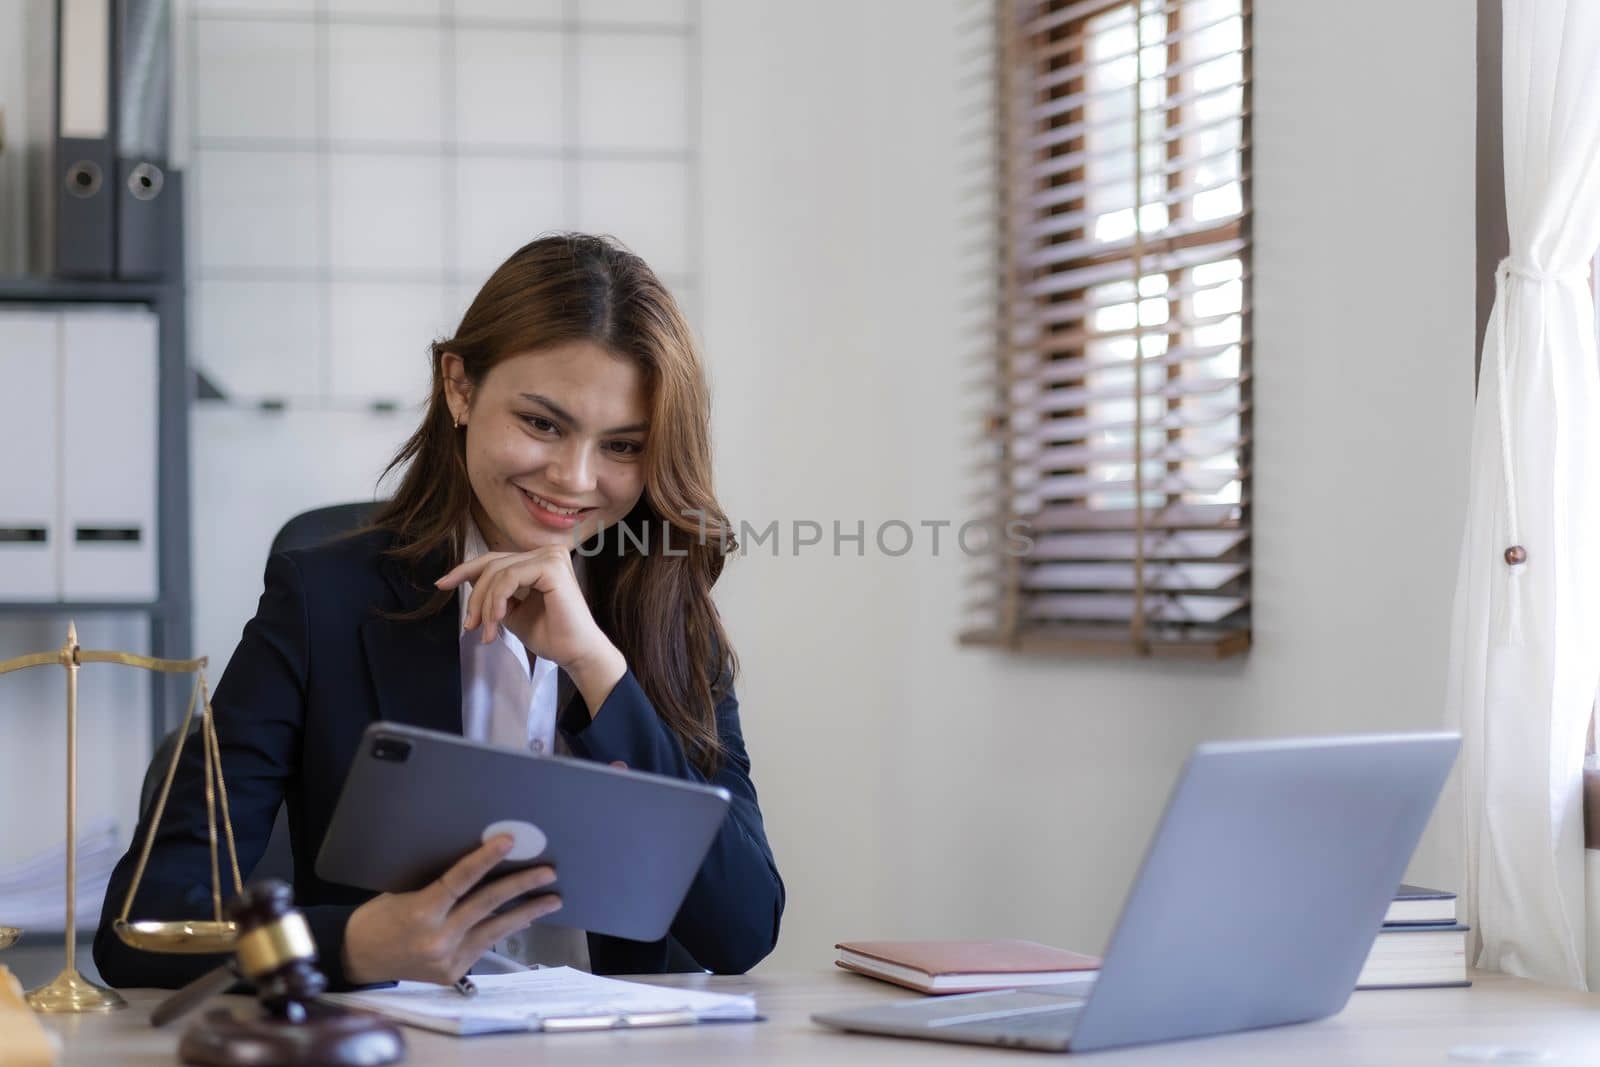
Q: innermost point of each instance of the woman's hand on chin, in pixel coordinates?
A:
(536, 596)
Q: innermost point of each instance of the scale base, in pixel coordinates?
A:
(71, 993)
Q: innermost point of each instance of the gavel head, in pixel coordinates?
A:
(275, 949)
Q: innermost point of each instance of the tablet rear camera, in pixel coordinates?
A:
(391, 749)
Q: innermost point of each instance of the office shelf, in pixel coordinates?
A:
(42, 938)
(81, 607)
(25, 289)
(171, 613)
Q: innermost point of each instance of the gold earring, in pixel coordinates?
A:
(455, 420)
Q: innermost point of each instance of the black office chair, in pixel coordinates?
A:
(306, 530)
(320, 525)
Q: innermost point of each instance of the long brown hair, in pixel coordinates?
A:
(650, 581)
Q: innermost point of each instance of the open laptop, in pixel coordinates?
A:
(1256, 904)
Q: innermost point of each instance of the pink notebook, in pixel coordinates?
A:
(966, 966)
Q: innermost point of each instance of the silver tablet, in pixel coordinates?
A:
(625, 845)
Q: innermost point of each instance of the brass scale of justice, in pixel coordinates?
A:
(70, 991)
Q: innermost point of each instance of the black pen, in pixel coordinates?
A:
(466, 987)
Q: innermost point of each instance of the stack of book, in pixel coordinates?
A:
(1421, 944)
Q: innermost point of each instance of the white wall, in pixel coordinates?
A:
(913, 787)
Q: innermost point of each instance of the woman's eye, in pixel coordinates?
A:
(626, 448)
(540, 423)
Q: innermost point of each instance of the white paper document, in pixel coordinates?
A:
(33, 891)
(550, 999)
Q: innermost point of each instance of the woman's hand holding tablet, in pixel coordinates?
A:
(437, 932)
(625, 844)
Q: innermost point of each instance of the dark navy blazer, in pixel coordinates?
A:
(318, 663)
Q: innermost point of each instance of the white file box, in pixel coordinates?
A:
(108, 449)
(30, 404)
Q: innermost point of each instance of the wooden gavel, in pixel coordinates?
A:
(275, 953)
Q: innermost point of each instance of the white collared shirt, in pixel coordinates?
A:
(503, 701)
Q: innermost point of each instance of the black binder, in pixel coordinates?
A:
(84, 164)
(145, 197)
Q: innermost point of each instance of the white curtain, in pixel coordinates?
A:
(1525, 652)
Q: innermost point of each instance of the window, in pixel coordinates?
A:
(1120, 429)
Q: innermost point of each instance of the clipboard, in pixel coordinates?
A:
(548, 1000)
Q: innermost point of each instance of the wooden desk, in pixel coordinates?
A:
(1376, 1028)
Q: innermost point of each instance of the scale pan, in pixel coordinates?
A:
(8, 936)
(190, 937)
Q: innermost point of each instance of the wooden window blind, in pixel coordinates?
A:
(1119, 434)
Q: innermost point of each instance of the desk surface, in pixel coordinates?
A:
(1387, 1027)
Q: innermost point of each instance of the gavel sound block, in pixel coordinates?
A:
(276, 953)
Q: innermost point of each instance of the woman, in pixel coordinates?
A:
(569, 412)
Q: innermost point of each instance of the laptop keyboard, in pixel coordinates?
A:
(1025, 1022)
(1033, 1022)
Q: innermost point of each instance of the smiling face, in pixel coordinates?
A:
(555, 441)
